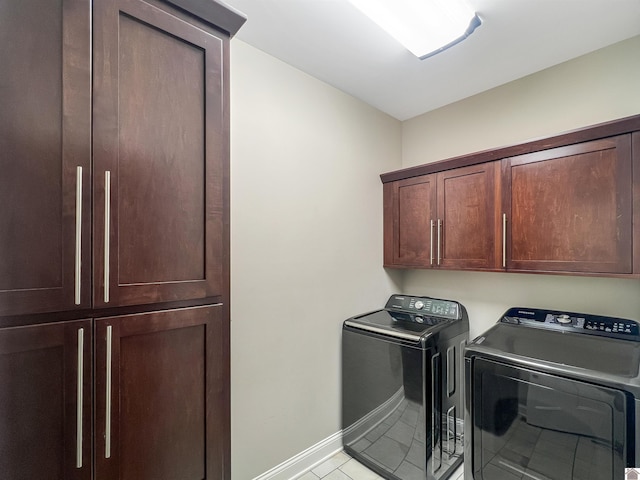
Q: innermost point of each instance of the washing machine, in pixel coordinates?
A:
(402, 401)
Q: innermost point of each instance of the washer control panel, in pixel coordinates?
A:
(425, 306)
(574, 322)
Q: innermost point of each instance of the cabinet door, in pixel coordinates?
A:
(467, 217)
(162, 396)
(410, 222)
(160, 157)
(569, 208)
(45, 135)
(45, 402)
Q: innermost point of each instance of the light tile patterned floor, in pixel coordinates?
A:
(342, 467)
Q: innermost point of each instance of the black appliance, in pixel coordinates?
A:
(402, 404)
(552, 395)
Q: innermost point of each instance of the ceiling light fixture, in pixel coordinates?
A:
(424, 27)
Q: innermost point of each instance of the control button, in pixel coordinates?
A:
(419, 304)
(564, 318)
(419, 319)
(607, 329)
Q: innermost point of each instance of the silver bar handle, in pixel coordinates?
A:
(435, 360)
(431, 241)
(78, 261)
(451, 372)
(107, 232)
(79, 398)
(452, 449)
(504, 240)
(107, 421)
(439, 235)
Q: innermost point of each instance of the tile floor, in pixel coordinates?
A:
(342, 467)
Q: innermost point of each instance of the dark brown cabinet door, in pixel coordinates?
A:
(467, 217)
(410, 222)
(443, 220)
(45, 402)
(45, 135)
(162, 396)
(569, 209)
(160, 157)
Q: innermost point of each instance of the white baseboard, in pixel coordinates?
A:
(306, 460)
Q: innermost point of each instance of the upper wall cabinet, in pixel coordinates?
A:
(45, 153)
(409, 215)
(160, 156)
(466, 223)
(442, 220)
(566, 204)
(570, 208)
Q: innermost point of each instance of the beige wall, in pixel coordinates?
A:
(591, 89)
(306, 250)
(306, 235)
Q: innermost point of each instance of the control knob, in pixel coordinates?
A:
(419, 304)
(564, 318)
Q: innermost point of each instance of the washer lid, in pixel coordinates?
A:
(584, 356)
(396, 324)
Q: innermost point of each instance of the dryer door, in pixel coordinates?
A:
(528, 424)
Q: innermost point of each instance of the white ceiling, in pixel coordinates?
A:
(332, 41)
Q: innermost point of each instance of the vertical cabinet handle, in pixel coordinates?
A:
(431, 242)
(439, 236)
(79, 403)
(435, 415)
(78, 260)
(107, 416)
(504, 240)
(107, 233)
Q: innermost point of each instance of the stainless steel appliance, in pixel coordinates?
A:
(553, 395)
(402, 401)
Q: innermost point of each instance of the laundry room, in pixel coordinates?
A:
(307, 229)
(318, 124)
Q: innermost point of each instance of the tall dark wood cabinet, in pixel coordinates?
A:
(46, 401)
(45, 156)
(162, 411)
(114, 239)
(159, 156)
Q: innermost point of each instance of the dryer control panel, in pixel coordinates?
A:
(574, 322)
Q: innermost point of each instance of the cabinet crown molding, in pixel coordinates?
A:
(214, 12)
(585, 134)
